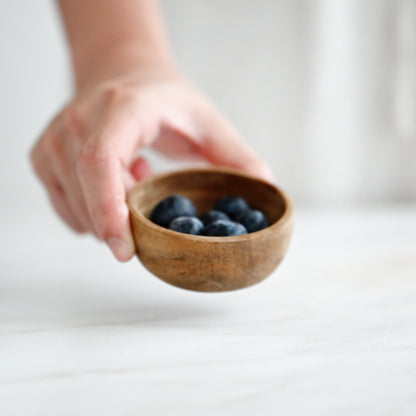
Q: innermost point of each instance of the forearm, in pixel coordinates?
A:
(109, 37)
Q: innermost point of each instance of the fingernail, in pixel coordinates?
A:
(122, 250)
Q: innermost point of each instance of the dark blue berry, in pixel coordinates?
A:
(253, 220)
(212, 216)
(171, 207)
(187, 225)
(224, 228)
(233, 206)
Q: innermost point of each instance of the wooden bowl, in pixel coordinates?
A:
(210, 264)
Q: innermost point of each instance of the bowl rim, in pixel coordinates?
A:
(287, 215)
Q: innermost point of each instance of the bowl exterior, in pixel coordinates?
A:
(211, 264)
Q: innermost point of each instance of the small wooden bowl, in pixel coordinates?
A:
(210, 264)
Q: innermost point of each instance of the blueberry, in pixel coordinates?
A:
(253, 220)
(233, 206)
(224, 228)
(212, 216)
(171, 207)
(187, 225)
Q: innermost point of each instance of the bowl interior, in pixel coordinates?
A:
(205, 187)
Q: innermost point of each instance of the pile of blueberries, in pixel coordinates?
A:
(232, 216)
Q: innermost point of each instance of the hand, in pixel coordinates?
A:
(88, 157)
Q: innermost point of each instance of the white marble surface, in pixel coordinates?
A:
(333, 332)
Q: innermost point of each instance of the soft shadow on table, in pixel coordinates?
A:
(47, 306)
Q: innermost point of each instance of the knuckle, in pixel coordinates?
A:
(80, 230)
(118, 93)
(39, 157)
(52, 144)
(92, 154)
(107, 222)
(73, 120)
(107, 231)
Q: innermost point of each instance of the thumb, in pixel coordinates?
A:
(223, 146)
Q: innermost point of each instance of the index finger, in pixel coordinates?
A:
(101, 170)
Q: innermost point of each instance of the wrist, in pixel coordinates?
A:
(112, 61)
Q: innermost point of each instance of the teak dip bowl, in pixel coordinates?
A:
(210, 264)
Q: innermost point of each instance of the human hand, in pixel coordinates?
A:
(89, 156)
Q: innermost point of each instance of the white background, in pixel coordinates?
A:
(324, 90)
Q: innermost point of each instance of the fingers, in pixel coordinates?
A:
(102, 183)
(101, 170)
(56, 194)
(62, 207)
(88, 167)
(53, 158)
(63, 167)
(223, 146)
(178, 140)
(87, 179)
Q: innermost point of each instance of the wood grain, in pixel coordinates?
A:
(210, 264)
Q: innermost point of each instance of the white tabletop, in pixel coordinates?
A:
(332, 332)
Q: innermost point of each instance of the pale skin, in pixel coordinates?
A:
(129, 95)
